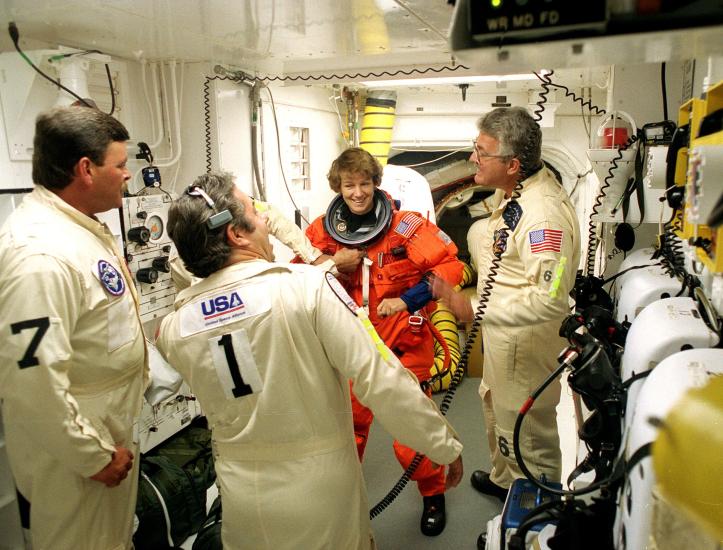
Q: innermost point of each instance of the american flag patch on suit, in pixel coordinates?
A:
(408, 225)
(543, 240)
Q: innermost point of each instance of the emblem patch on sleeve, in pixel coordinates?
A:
(512, 214)
(109, 277)
(408, 225)
(543, 240)
(342, 294)
(499, 245)
(443, 237)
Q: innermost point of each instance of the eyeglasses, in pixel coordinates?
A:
(480, 154)
(216, 220)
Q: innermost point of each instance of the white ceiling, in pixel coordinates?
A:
(298, 37)
(286, 35)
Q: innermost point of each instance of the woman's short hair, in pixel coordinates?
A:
(354, 161)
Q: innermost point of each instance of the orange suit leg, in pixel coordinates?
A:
(430, 480)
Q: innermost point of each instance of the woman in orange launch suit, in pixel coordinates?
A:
(397, 251)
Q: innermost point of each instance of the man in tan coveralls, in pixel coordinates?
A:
(268, 349)
(535, 229)
(73, 360)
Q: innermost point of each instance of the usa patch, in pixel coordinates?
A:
(110, 278)
(223, 307)
(408, 225)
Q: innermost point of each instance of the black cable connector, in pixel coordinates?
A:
(15, 37)
(13, 31)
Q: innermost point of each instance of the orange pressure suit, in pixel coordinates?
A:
(396, 262)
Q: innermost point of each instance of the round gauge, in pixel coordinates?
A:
(155, 226)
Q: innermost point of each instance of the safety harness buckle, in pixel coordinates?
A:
(415, 323)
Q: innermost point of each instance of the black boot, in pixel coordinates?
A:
(481, 481)
(434, 517)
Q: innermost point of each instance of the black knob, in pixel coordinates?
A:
(162, 264)
(139, 234)
(141, 214)
(167, 248)
(147, 275)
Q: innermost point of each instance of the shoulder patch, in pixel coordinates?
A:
(512, 214)
(542, 240)
(443, 237)
(408, 225)
(109, 277)
(499, 244)
(342, 294)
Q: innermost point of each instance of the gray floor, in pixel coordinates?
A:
(397, 527)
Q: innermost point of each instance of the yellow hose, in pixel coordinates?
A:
(446, 323)
(378, 123)
(469, 275)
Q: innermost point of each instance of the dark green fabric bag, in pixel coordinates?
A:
(174, 478)
(209, 535)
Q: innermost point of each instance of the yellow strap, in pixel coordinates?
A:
(555, 286)
(381, 346)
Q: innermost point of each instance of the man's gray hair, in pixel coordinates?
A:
(205, 250)
(518, 134)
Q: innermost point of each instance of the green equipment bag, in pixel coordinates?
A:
(174, 477)
(209, 535)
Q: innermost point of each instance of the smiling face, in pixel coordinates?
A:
(357, 190)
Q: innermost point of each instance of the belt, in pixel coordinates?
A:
(290, 450)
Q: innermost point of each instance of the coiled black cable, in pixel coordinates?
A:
(207, 118)
(540, 103)
(359, 76)
(547, 81)
(670, 249)
(592, 240)
(592, 226)
(674, 244)
(401, 483)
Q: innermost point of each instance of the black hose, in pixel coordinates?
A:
(665, 91)
(521, 462)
